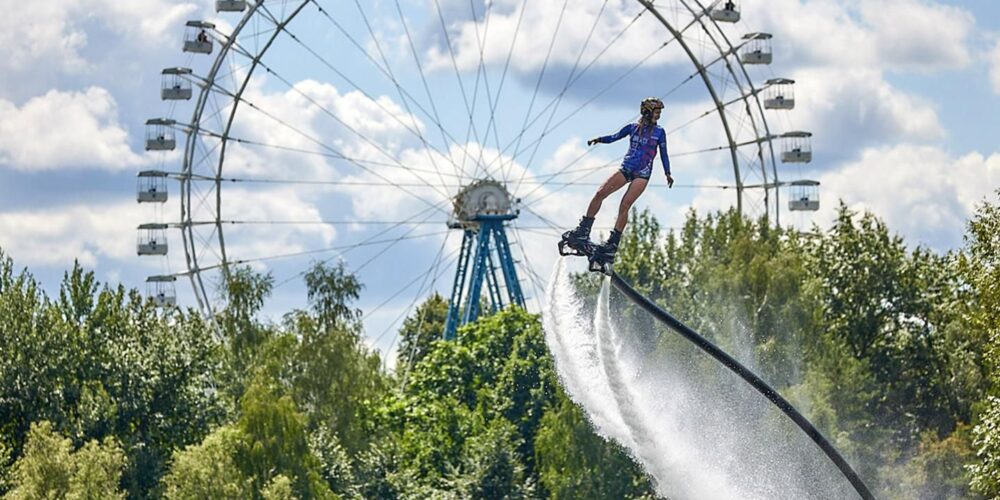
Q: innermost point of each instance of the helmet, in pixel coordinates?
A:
(649, 105)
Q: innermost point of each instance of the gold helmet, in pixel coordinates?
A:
(649, 105)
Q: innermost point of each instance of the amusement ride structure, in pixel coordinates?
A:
(459, 116)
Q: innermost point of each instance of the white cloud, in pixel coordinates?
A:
(263, 239)
(65, 130)
(57, 236)
(920, 191)
(919, 35)
(50, 36)
(848, 110)
(95, 233)
(896, 35)
(534, 32)
(995, 68)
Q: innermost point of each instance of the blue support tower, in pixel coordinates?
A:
(476, 265)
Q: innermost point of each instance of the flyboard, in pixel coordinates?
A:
(598, 261)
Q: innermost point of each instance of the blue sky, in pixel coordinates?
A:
(901, 95)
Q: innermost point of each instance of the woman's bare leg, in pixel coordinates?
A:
(632, 194)
(614, 183)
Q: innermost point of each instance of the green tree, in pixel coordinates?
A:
(320, 359)
(100, 362)
(491, 466)
(245, 292)
(275, 442)
(871, 292)
(208, 469)
(574, 462)
(331, 290)
(981, 268)
(419, 331)
(333, 376)
(50, 468)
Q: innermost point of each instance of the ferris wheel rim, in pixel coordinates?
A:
(191, 253)
(755, 94)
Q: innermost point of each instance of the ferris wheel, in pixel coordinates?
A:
(433, 145)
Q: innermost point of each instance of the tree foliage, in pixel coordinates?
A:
(51, 468)
(890, 349)
(102, 362)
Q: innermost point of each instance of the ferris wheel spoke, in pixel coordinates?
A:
(538, 82)
(750, 142)
(364, 92)
(529, 123)
(481, 75)
(386, 70)
(423, 79)
(544, 219)
(423, 274)
(537, 283)
(585, 104)
(339, 248)
(461, 85)
(740, 99)
(435, 275)
(556, 190)
(481, 69)
(546, 130)
(405, 96)
(338, 154)
(417, 218)
(336, 118)
(435, 271)
(565, 170)
(306, 182)
(566, 85)
(490, 98)
(549, 179)
(345, 222)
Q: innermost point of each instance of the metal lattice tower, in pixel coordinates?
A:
(481, 210)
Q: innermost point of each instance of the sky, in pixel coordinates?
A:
(352, 133)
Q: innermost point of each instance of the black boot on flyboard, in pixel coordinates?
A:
(602, 258)
(577, 241)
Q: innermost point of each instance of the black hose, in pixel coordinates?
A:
(750, 377)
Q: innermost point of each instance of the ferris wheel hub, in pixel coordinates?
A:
(482, 199)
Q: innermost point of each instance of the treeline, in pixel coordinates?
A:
(104, 396)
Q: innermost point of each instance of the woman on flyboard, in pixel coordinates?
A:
(645, 138)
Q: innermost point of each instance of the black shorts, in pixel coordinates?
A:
(631, 176)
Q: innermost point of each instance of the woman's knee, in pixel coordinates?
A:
(604, 191)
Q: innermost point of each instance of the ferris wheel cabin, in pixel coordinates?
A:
(151, 187)
(162, 290)
(726, 12)
(797, 147)
(196, 38)
(160, 134)
(152, 239)
(779, 94)
(230, 5)
(805, 196)
(756, 49)
(175, 84)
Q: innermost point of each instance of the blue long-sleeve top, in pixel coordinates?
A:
(642, 148)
